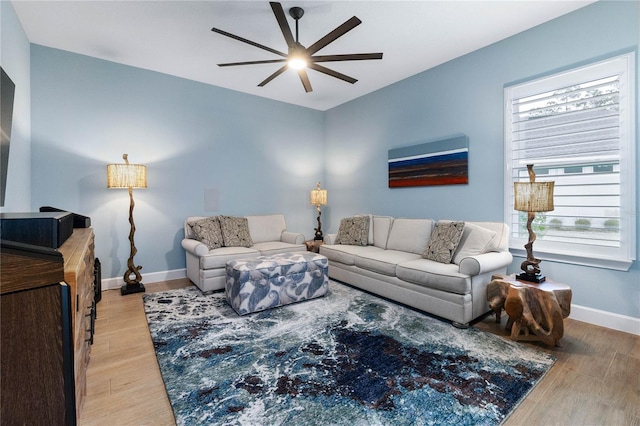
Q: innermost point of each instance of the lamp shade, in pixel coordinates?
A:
(533, 196)
(318, 197)
(126, 176)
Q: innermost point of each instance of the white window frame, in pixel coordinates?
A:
(618, 258)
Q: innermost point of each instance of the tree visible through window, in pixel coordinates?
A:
(577, 128)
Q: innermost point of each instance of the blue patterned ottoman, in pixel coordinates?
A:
(266, 282)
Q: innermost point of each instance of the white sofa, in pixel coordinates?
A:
(391, 265)
(206, 267)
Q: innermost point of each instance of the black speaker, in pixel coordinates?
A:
(40, 229)
(79, 221)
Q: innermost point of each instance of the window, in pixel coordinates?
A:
(577, 128)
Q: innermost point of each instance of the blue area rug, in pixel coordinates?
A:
(346, 358)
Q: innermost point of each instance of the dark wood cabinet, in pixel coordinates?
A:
(47, 310)
(36, 346)
(79, 258)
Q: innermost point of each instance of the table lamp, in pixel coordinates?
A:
(318, 198)
(532, 197)
(129, 176)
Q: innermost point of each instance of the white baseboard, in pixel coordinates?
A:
(606, 319)
(154, 277)
(579, 313)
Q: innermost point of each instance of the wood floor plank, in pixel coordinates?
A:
(596, 380)
(624, 388)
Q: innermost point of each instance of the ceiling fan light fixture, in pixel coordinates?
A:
(297, 63)
(298, 58)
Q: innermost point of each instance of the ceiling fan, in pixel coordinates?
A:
(298, 56)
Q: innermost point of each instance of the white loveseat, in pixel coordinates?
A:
(206, 266)
(391, 265)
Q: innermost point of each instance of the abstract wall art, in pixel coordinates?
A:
(441, 162)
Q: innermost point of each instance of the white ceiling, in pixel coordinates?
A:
(174, 37)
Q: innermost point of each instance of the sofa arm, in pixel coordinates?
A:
(486, 262)
(330, 238)
(292, 237)
(195, 247)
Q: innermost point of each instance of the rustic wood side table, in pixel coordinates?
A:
(539, 308)
(314, 245)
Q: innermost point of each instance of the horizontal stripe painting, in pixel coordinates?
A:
(443, 162)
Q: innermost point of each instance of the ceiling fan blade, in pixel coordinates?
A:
(305, 80)
(244, 40)
(332, 73)
(272, 76)
(352, 57)
(333, 35)
(282, 21)
(269, 61)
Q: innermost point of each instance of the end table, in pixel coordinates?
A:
(536, 307)
(314, 245)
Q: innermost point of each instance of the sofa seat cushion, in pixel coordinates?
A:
(383, 261)
(436, 275)
(217, 258)
(345, 253)
(206, 274)
(268, 248)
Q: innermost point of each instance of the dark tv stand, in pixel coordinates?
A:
(36, 319)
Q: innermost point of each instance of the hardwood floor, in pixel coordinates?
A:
(596, 380)
(124, 385)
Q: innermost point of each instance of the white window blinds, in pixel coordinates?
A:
(577, 128)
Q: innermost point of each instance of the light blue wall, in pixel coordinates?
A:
(244, 154)
(15, 60)
(465, 96)
(261, 156)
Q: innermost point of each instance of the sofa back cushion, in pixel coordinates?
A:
(266, 227)
(481, 237)
(502, 234)
(381, 229)
(410, 235)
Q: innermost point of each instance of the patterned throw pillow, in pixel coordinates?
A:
(235, 231)
(207, 231)
(444, 241)
(353, 231)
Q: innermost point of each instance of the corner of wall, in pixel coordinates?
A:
(15, 59)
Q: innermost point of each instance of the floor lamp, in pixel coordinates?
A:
(532, 197)
(129, 176)
(318, 198)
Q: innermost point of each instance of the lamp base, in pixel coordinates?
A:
(532, 278)
(132, 288)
